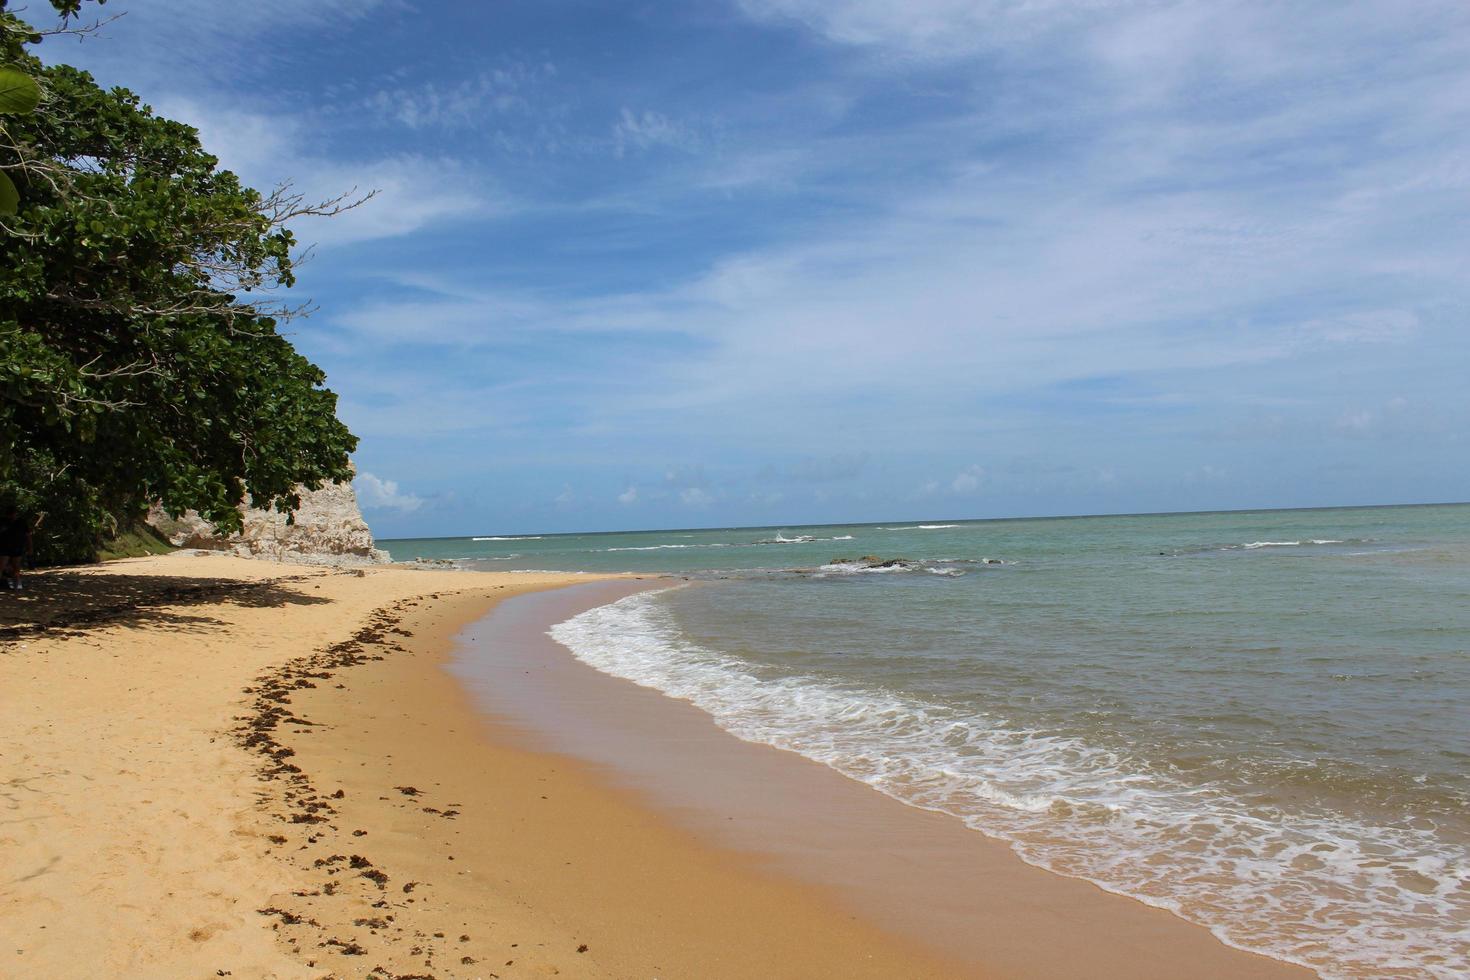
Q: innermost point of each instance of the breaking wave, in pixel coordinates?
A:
(1343, 896)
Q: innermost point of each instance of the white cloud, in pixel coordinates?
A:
(375, 493)
(411, 193)
(967, 480)
(1205, 474)
(565, 498)
(463, 103)
(1366, 327)
(1189, 238)
(838, 467)
(1391, 420)
(695, 497)
(628, 496)
(265, 150)
(646, 129)
(1159, 191)
(160, 42)
(930, 28)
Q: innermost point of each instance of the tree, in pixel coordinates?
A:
(140, 356)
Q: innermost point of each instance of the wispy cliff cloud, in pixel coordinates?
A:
(375, 493)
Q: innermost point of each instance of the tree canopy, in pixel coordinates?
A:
(140, 353)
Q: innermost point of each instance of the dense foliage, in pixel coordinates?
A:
(140, 358)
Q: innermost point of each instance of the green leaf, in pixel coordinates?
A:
(9, 196)
(19, 92)
(106, 406)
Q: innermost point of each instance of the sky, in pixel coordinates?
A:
(770, 262)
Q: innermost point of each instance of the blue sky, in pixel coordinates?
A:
(722, 262)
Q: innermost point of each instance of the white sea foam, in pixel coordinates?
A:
(920, 527)
(527, 537)
(854, 568)
(778, 539)
(1289, 544)
(949, 567)
(1317, 890)
(661, 547)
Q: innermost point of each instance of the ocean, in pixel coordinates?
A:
(1259, 720)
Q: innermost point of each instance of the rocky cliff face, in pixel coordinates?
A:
(328, 528)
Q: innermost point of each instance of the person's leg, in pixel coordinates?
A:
(12, 571)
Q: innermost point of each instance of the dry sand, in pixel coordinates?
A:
(160, 787)
(218, 767)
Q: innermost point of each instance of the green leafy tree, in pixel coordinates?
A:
(140, 355)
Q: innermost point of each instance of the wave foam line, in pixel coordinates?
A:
(1289, 544)
(920, 527)
(1338, 896)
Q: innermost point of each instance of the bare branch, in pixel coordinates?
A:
(81, 31)
(284, 203)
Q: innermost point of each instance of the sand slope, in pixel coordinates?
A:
(131, 843)
(211, 766)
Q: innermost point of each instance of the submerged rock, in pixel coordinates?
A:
(873, 561)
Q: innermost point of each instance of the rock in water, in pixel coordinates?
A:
(328, 528)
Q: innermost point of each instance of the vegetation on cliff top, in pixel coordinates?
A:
(140, 357)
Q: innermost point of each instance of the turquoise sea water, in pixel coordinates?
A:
(1260, 720)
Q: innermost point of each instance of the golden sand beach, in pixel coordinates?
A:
(211, 766)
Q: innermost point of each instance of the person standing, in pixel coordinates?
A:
(15, 543)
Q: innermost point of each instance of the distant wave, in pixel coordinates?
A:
(778, 539)
(920, 527)
(1258, 545)
(661, 547)
(527, 537)
(1289, 544)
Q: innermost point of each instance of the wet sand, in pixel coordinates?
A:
(918, 875)
(535, 858)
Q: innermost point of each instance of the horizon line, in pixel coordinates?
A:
(965, 520)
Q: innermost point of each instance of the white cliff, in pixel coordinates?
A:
(328, 527)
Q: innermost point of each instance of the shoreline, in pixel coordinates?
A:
(531, 854)
(917, 874)
(380, 822)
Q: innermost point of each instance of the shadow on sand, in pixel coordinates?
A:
(62, 601)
